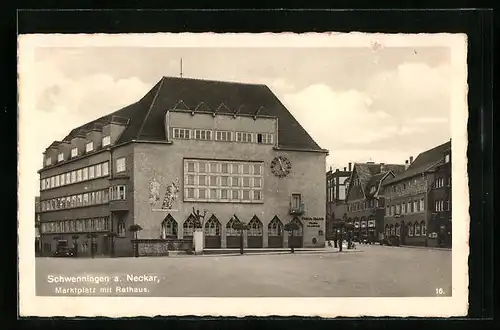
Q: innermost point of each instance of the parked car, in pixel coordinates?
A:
(63, 250)
(390, 241)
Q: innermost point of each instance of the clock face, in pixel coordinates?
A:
(281, 166)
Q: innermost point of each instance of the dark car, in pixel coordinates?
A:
(63, 250)
(390, 241)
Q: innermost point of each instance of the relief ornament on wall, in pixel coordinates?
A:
(170, 197)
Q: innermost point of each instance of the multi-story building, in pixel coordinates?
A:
(365, 198)
(418, 201)
(231, 149)
(37, 224)
(336, 207)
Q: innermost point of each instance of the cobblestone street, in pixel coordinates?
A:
(369, 271)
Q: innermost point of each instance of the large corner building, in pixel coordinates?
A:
(231, 149)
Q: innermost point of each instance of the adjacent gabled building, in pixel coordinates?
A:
(231, 149)
(365, 198)
(336, 193)
(418, 201)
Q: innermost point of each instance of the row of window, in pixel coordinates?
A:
(441, 205)
(223, 195)
(213, 227)
(405, 207)
(222, 181)
(226, 136)
(223, 167)
(89, 147)
(77, 226)
(413, 229)
(85, 199)
(359, 206)
(82, 174)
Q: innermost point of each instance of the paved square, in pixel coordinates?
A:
(371, 271)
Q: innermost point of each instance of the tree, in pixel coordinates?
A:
(291, 227)
(135, 229)
(238, 225)
(112, 235)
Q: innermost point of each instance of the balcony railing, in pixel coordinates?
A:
(297, 209)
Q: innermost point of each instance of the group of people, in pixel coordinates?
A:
(339, 241)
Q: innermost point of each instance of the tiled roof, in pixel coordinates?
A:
(370, 174)
(146, 117)
(424, 161)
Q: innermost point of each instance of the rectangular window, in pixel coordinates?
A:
(42, 184)
(246, 182)
(224, 194)
(89, 147)
(106, 141)
(213, 180)
(121, 192)
(235, 181)
(105, 168)
(74, 152)
(98, 168)
(79, 201)
(85, 173)
(182, 133)
(92, 198)
(60, 157)
(415, 206)
(68, 178)
(190, 180)
(447, 158)
(190, 167)
(296, 201)
(387, 210)
(257, 182)
(257, 195)
(202, 167)
(235, 195)
(224, 181)
(98, 198)
(190, 192)
(201, 134)
(57, 180)
(53, 182)
(48, 161)
(213, 194)
(202, 194)
(422, 205)
(222, 136)
(120, 165)
(408, 207)
(85, 199)
(224, 168)
(79, 175)
(91, 172)
(246, 195)
(202, 180)
(105, 195)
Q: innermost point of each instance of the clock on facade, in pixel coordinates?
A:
(281, 166)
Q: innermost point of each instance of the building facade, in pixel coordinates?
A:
(336, 206)
(418, 202)
(230, 149)
(38, 247)
(366, 200)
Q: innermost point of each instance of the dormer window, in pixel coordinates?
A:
(447, 158)
(60, 157)
(74, 152)
(48, 161)
(106, 141)
(89, 147)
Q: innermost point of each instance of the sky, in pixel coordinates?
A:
(381, 104)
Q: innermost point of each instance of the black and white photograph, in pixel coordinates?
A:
(241, 174)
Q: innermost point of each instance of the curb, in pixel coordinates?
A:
(416, 247)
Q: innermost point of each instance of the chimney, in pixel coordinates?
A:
(345, 169)
(411, 159)
(336, 170)
(406, 164)
(330, 168)
(350, 167)
(382, 167)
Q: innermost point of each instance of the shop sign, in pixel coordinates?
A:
(313, 218)
(313, 224)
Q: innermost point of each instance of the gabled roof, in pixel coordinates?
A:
(370, 174)
(146, 117)
(425, 161)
